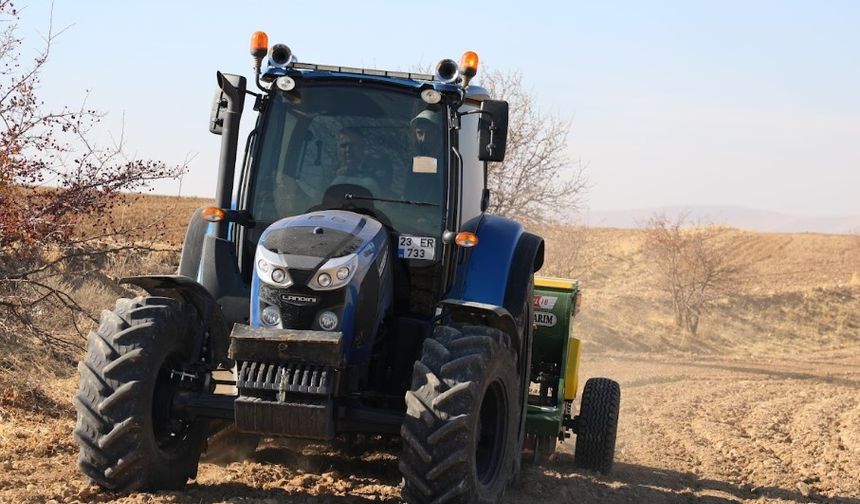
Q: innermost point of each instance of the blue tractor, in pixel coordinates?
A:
(348, 282)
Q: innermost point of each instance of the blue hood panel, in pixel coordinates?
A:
(305, 243)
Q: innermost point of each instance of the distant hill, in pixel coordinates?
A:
(738, 217)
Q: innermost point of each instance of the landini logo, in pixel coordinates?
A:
(299, 300)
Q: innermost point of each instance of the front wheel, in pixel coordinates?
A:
(127, 436)
(462, 418)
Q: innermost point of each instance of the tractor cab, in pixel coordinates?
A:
(404, 149)
(334, 143)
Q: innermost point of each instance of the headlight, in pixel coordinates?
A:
(324, 279)
(271, 269)
(342, 273)
(271, 316)
(335, 273)
(263, 266)
(279, 275)
(328, 320)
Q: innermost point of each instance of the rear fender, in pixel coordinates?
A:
(189, 291)
(527, 260)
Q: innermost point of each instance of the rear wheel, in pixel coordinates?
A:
(460, 433)
(127, 436)
(597, 425)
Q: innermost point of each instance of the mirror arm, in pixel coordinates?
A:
(476, 111)
(240, 217)
(257, 80)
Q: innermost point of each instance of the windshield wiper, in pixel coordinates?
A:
(351, 196)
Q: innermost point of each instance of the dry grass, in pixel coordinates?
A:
(163, 217)
(803, 291)
(805, 288)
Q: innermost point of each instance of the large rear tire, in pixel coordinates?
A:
(597, 425)
(127, 438)
(460, 433)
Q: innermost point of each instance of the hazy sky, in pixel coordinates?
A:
(753, 103)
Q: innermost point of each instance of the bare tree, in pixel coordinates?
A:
(537, 180)
(57, 190)
(696, 265)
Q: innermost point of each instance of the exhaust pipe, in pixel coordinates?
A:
(233, 101)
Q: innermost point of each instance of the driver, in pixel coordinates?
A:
(355, 166)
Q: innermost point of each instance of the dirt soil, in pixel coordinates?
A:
(693, 429)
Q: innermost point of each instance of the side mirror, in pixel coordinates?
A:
(216, 118)
(230, 88)
(493, 130)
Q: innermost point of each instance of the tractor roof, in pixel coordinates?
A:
(413, 80)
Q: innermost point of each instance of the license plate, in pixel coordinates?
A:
(416, 247)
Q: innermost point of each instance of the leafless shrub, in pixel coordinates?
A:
(537, 180)
(696, 265)
(57, 191)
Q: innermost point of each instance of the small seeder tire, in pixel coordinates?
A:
(126, 442)
(460, 432)
(597, 425)
(542, 446)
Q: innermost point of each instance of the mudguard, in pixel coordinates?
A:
(187, 290)
(527, 260)
(484, 277)
(192, 246)
(496, 272)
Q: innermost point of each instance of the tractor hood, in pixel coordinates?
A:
(324, 271)
(306, 242)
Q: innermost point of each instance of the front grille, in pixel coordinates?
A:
(285, 378)
(301, 315)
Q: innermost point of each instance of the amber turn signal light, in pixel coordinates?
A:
(466, 239)
(213, 214)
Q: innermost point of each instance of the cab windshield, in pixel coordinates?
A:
(355, 147)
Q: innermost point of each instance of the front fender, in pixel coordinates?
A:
(184, 289)
(498, 270)
(485, 275)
